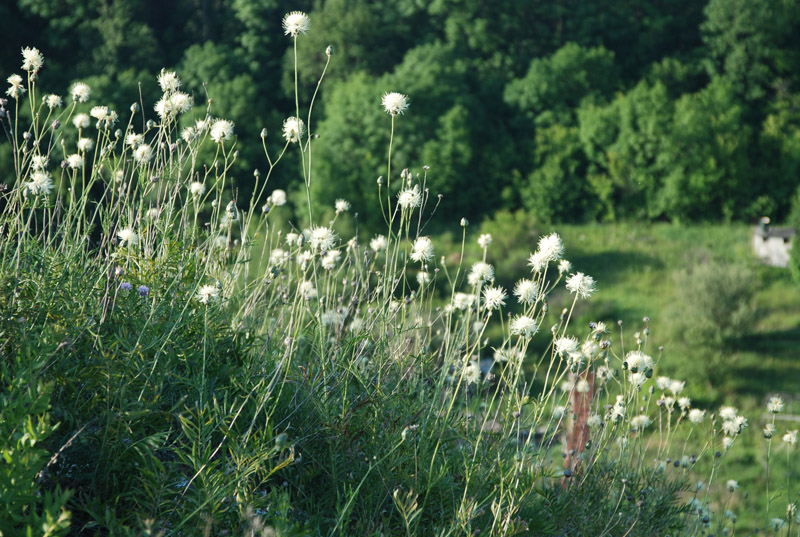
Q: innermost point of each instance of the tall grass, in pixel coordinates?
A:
(344, 388)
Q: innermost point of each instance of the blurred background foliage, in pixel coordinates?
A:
(576, 111)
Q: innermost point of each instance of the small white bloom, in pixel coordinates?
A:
(341, 206)
(81, 121)
(727, 412)
(409, 198)
(594, 420)
(551, 247)
(32, 59)
(526, 291)
(730, 427)
(537, 262)
(330, 259)
(38, 162)
(481, 273)
(188, 134)
(143, 154)
(684, 402)
(472, 373)
(564, 266)
(790, 437)
(523, 325)
(378, 243)
(394, 103)
(777, 524)
(277, 198)
(53, 101)
(484, 240)
(581, 285)
(769, 430)
(197, 189)
(80, 92)
(307, 290)
(565, 346)
(640, 422)
(423, 278)
(153, 213)
(85, 144)
(774, 405)
(278, 257)
(75, 161)
(639, 362)
(40, 183)
(169, 81)
(100, 113)
(320, 238)
(292, 238)
(128, 237)
(422, 250)
(132, 139)
(696, 415)
(221, 130)
(731, 485)
(662, 383)
(582, 386)
(559, 411)
(463, 301)
(494, 297)
(16, 89)
(293, 129)
(637, 379)
(207, 293)
(296, 23)
(676, 386)
(727, 442)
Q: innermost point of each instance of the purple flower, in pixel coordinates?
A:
(126, 286)
(143, 290)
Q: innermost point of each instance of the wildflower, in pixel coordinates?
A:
(80, 92)
(640, 422)
(582, 386)
(777, 523)
(564, 266)
(321, 238)
(472, 373)
(676, 386)
(769, 430)
(169, 81)
(32, 59)
(16, 89)
(188, 134)
(52, 101)
(330, 259)
(566, 345)
(394, 103)
(81, 121)
(423, 278)
(551, 247)
(526, 291)
(523, 325)
(590, 349)
(463, 301)
(296, 23)
(100, 113)
(207, 293)
(594, 420)
(292, 238)
(774, 405)
(727, 412)
(604, 373)
(740, 422)
(293, 129)
(378, 243)
(537, 262)
(304, 258)
(38, 162)
(75, 161)
(409, 198)
(484, 240)
(730, 428)
(277, 198)
(125, 286)
(790, 437)
(637, 379)
(132, 139)
(638, 361)
(731, 485)
(153, 213)
(727, 442)
(40, 183)
(580, 284)
(197, 189)
(508, 355)
(307, 290)
(662, 383)
(559, 411)
(481, 272)
(684, 402)
(143, 154)
(221, 130)
(341, 206)
(696, 415)
(143, 290)
(128, 237)
(85, 144)
(422, 250)
(278, 257)
(494, 297)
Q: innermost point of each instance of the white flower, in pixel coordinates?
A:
(551, 247)
(774, 405)
(197, 189)
(594, 420)
(75, 161)
(293, 129)
(484, 240)
(378, 243)
(277, 198)
(481, 273)
(81, 121)
(777, 523)
(32, 59)
(565, 346)
(304, 258)
(292, 238)
(494, 297)
(296, 23)
(558, 411)
(423, 278)
(790, 437)
(188, 134)
(582, 386)
(422, 250)
(676, 386)
(394, 103)
(637, 379)
(523, 325)
(409, 198)
(537, 262)
(727, 412)
(638, 361)
(40, 183)
(564, 266)
(580, 284)
(80, 92)
(38, 162)
(169, 81)
(684, 402)
(221, 130)
(769, 430)
(128, 237)
(463, 301)
(472, 373)
(730, 427)
(153, 213)
(100, 113)
(341, 206)
(307, 290)
(320, 237)
(85, 144)
(16, 88)
(731, 485)
(640, 422)
(696, 415)
(330, 259)
(278, 257)
(662, 383)
(52, 101)
(207, 293)
(132, 139)
(143, 154)
(526, 291)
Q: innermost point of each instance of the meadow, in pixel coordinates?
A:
(178, 361)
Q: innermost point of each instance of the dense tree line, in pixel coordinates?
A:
(574, 110)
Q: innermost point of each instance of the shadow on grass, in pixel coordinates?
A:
(766, 362)
(614, 265)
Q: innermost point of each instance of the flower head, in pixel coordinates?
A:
(75, 161)
(40, 183)
(481, 272)
(523, 325)
(640, 422)
(394, 103)
(85, 144)
(341, 206)
(321, 238)
(128, 237)
(207, 293)
(494, 297)
(774, 405)
(143, 290)
(221, 130)
(32, 59)
(197, 189)
(696, 415)
(581, 285)
(278, 197)
(484, 240)
(790, 437)
(378, 243)
(80, 92)
(422, 250)
(409, 198)
(143, 154)
(169, 81)
(526, 291)
(81, 121)
(731, 485)
(296, 23)
(38, 162)
(564, 266)
(293, 129)
(125, 286)
(551, 247)
(463, 301)
(330, 259)
(16, 88)
(52, 101)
